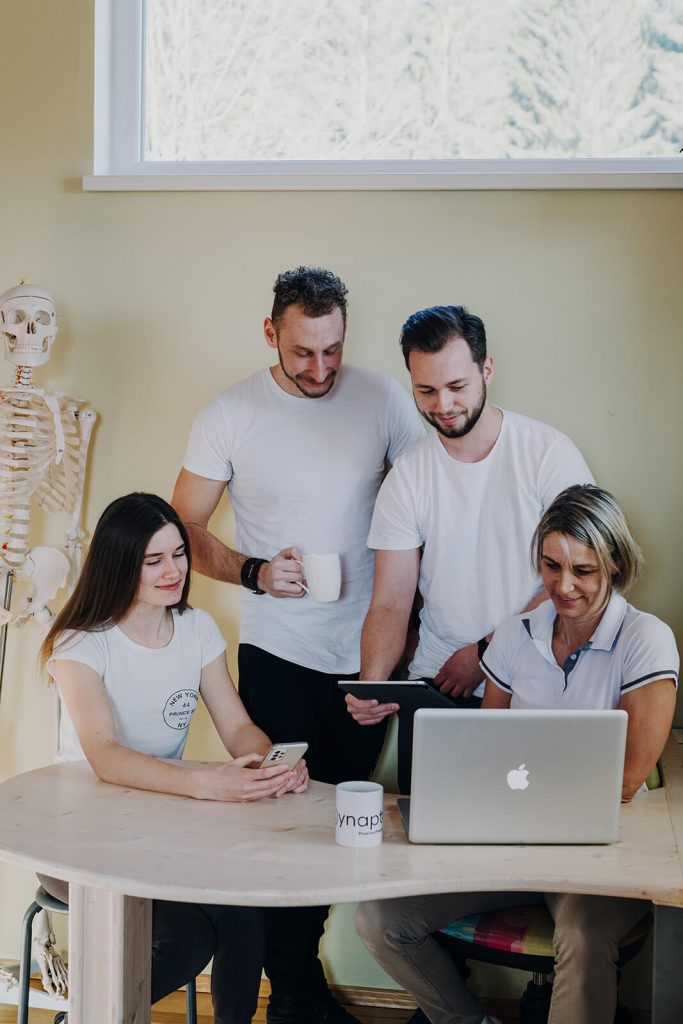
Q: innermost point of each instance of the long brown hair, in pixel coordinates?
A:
(109, 579)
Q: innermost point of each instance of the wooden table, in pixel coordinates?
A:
(119, 848)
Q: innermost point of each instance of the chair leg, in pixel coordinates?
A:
(621, 1014)
(191, 1001)
(25, 963)
(418, 1017)
(534, 1006)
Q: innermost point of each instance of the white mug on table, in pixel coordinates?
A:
(360, 814)
(323, 576)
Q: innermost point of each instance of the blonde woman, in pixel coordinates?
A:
(585, 647)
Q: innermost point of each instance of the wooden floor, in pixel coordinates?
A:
(171, 1010)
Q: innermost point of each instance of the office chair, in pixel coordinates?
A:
(522, 937)
(43, 901)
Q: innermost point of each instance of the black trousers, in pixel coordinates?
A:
(291, 703)
(404, 742)
(184, 938)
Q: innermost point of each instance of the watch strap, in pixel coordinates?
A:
(249, 574)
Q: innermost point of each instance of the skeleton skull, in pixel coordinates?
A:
(28, 325)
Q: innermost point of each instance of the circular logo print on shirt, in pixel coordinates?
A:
(179, 708)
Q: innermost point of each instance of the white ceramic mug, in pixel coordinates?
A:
(360, 814)
(323, 576)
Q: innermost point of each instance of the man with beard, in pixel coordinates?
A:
(302, 448)
(455, 517)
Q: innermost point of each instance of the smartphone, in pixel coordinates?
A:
(284, 753)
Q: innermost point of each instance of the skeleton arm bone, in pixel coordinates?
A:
(74, 535)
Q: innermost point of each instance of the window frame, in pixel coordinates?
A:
(118, 164)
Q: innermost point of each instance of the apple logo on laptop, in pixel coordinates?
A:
(518, 778)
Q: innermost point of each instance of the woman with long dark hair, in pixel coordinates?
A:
(130, 658)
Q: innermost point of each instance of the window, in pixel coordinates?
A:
(419, 93)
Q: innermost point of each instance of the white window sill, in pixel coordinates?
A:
(649, 173)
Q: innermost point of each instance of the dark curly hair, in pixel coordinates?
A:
(316, 290)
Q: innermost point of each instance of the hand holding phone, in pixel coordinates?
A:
(284, 753)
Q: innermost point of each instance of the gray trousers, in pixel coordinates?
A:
(399, 934)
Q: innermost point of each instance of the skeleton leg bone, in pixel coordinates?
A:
(9, 975)
(52, 968)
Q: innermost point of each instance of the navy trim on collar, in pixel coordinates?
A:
(539, 623)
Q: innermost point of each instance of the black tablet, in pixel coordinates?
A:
(411, 695)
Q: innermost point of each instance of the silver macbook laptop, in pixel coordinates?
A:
(510, 776)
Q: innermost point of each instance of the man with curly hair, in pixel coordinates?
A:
(302, 448)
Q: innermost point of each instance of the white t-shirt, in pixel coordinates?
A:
(153, 691)
(629, 649)
(475, 521)
(305, 472)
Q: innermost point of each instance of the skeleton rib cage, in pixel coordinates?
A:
(41, 459)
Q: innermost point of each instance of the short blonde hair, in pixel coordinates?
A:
(594, 518)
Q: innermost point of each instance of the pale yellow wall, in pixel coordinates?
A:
(161, 297)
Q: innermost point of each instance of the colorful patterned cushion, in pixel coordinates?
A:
(515, 929)
(527, 930)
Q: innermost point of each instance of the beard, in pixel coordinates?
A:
(308, 388)
(464, 425)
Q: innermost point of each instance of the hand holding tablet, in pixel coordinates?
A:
(390, 696)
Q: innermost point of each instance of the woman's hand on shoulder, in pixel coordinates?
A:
(241, 781)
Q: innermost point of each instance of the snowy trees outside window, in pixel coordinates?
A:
(412, 79)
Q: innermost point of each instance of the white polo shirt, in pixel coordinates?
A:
(629, 649)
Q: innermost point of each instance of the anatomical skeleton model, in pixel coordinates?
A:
(44, 440)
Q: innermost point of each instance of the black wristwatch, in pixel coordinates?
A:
(249, 574)
(481, 647)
